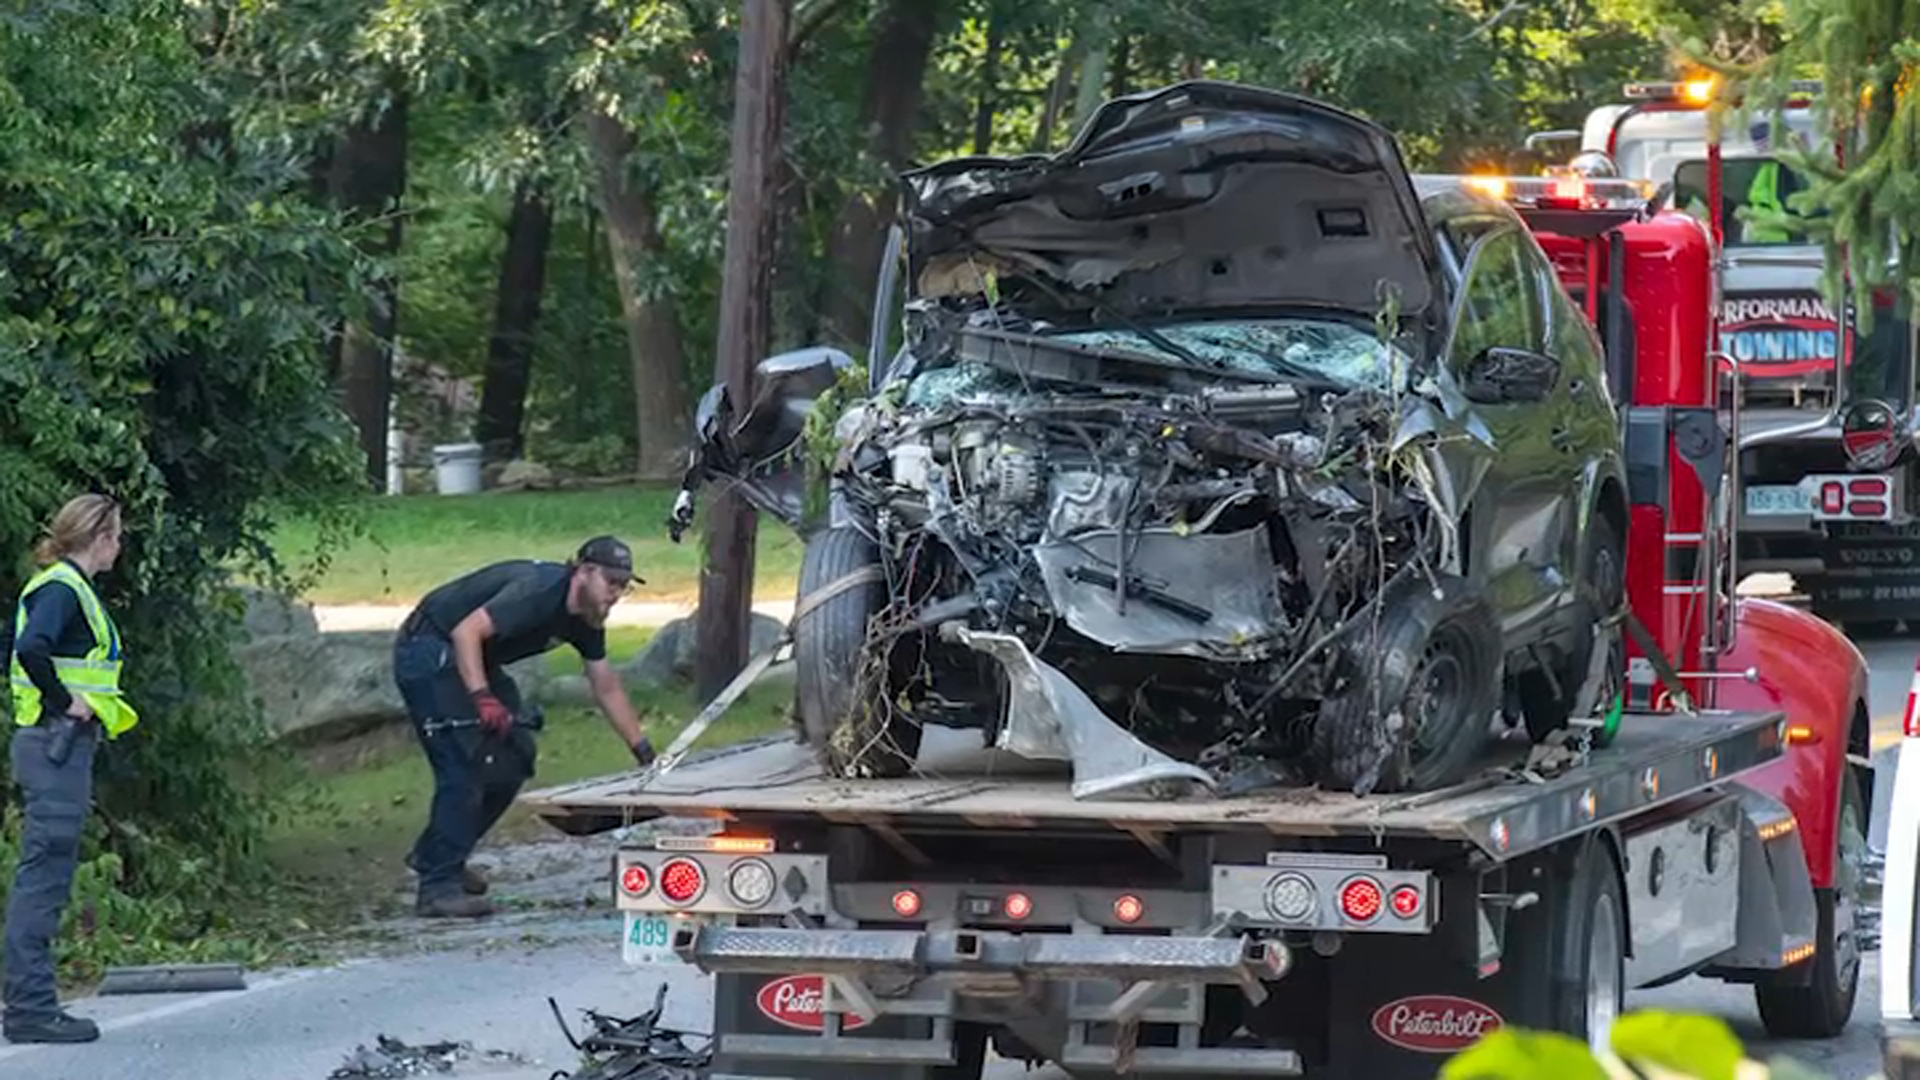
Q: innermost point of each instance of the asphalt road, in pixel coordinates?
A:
(488, 985)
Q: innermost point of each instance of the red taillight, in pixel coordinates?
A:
(682, 881)
(1019, 905)
(1833, 497)
(1868, 508)
(1406, 901)
(1129, 909)
(635, 880)
(906, 903)
(1361, 899)
(1868, 485)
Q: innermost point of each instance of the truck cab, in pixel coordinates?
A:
(1839, 521)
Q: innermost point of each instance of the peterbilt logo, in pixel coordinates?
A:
(1435, 1023)
(800, 1001)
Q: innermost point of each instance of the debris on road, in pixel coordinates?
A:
(391, 1059)
(635, 1049)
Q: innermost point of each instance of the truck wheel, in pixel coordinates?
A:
(852, 736)
(1427, 686)
(1589, 951)
(1820, 1008)
(1605, 577)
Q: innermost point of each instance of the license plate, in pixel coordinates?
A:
(649, 937)
(1777, 499)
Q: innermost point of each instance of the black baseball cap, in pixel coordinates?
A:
(610, 553)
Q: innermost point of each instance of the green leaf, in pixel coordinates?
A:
(1517, 1054)
(1699, 1046)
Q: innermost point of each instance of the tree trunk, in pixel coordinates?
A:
(1057, 93)
(654, 342)
(1093, 71)
(367, 177)
(501, 429)
(721, 630)
(984, 100)
(896, 81)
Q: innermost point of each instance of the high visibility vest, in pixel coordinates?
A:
(94, 678)
(1764, 194)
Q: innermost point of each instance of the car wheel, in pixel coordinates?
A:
(1548, 709)
(1426, 686)
(855, 734)
(1820, 1007)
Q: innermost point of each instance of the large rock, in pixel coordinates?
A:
(322, 688)
(272, 615)
(667, 661)
(523, 475)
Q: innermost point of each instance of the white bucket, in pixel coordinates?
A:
(456, 468)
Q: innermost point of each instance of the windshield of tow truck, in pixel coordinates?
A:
(1747, 186)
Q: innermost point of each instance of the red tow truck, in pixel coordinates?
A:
(901, 927)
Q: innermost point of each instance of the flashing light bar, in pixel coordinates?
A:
(1699, 91)
(1564, 192)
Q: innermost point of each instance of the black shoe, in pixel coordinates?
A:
(453, 906)
(58, 1028)
(470, 879)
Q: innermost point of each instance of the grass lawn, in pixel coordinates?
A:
(419, 541)
(355, 817)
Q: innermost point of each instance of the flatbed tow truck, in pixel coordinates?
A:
(898, 927)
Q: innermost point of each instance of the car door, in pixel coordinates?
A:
(1519, 512)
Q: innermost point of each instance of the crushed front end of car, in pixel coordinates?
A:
(1161, 483)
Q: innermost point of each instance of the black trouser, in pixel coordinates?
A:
(57, 798)
(475, 774)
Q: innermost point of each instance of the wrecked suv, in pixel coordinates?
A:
(1215, 454)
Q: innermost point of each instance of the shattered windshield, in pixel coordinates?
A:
(1276, 348)
(1264, 348)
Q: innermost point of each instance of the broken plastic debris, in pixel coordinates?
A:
(636, 1049)
(391, 1059)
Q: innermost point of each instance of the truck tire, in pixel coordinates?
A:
(852, 737)
(1820, 1007)
(1432, 658)
(1605, 577)
(1589, 966)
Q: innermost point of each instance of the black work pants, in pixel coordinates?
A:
(476, 774)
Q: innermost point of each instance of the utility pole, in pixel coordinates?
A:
(723, 623)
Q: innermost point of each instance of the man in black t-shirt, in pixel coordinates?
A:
(449, 660)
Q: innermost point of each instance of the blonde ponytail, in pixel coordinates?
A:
(84, 519)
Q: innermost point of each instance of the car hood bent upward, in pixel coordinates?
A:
(1204, 195)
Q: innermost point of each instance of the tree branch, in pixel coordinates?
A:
(1513, 7)
(809, 21)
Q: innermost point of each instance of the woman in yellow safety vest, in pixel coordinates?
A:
(65, 669)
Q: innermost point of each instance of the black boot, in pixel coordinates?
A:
(59, 1028)
(453, 906)
(471, 880)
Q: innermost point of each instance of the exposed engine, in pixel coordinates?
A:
(1190, 559)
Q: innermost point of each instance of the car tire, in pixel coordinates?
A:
(852, 737)
(1431, 658)
(1588, 972)
(1604, 577)
(1820, 1007)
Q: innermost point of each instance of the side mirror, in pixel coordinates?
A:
(757, 451)
(1503, 376)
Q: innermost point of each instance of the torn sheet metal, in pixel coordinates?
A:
(1050, 718)
(391, 1059)
(1208, 596)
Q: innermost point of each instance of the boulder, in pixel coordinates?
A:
(667, 661)
(523, 475)
(323, 688)
(273, 615)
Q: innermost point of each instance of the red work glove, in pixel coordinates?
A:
(493, 715)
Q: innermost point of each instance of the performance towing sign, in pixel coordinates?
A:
(1780, 336)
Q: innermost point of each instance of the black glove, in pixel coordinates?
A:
(643, 754)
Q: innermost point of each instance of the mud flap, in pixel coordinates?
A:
(773, 1026)
(1406, 1004)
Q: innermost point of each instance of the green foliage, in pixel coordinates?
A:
(1650, 1042)
(162, 313)
(1864, 209)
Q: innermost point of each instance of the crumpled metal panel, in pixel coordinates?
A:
(1049, 718)
(1228, 577)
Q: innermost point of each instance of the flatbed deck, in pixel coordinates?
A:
(1655, 759)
